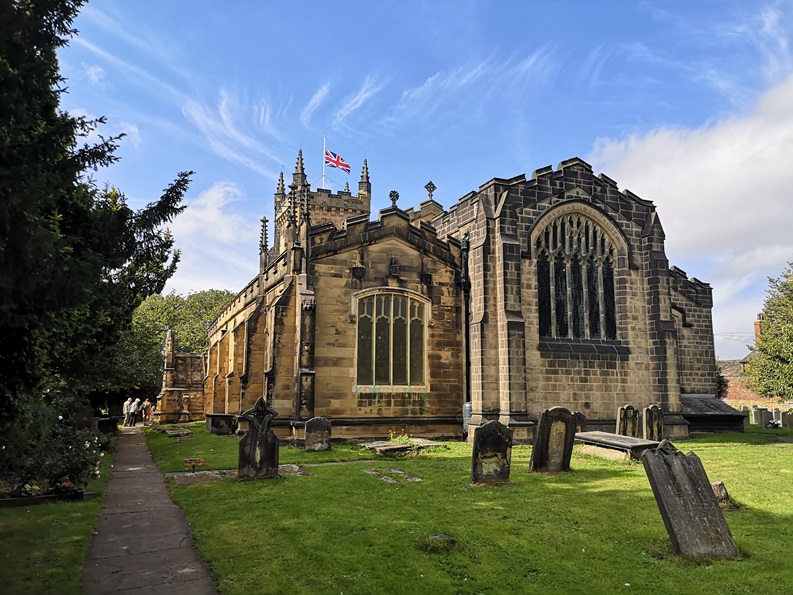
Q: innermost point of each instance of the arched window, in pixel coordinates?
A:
(575, 280)
(391, 343)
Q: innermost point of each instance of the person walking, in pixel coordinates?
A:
(125, 411)
(134, 408)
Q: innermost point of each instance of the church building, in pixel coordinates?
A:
(526, 294)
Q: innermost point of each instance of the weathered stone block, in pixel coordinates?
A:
(653, 423)
(492, 453)
(553, 441)
(688, 505)
(318, 434)
(628, 421)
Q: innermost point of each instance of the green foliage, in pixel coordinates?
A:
(75, 260)
(43, 547)
(721, 382)
(189, 317)
(771, 365)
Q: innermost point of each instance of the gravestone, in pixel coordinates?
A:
(745, 411)
(492, 453)
(766, 417)
(653, 423)
(318, 434)
(688, 506)
(628, 421)
(553, 442)
(258, 453)
(754, 417)
(777, 415)
(787, 419)
(579, 419)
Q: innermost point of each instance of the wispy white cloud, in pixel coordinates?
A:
(470, 85)
(368, 89)
(218, 243)
(132, 133)
(137, 75)
(95, 74)
(722, 190)
(772, 38)
(316, 100)
(225, 135)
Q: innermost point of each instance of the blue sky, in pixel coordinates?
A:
(687, 104)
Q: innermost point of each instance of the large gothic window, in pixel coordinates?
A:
(575, 280)
(391, 340)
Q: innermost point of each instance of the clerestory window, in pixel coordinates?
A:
(391, 343)
(575, 280)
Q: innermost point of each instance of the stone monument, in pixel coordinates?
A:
(688, 506)
(653, 423)
(553, 442)
(492, 453)
(627, 421)
(258, 454)
(318, 434)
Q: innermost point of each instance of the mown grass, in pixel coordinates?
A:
(43, 547)
(221, 452)
(596, 529)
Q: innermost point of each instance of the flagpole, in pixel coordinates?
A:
(324, 148)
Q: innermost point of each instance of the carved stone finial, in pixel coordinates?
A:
(280, 189)
(365, 172)
(394, 196)
(263, 240)
(305, 212)
(430, 188)
(346, 186)
(299, 165)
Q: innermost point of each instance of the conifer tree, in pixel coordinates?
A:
(75, 260)
(771, 364)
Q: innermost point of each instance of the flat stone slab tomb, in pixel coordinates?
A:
(613, 446)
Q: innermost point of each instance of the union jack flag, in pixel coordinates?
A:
(336, 161)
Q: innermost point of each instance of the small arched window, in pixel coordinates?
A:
(391, 339)
(575, 280)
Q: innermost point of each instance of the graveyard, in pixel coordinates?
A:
(360, 522)
(351, 520)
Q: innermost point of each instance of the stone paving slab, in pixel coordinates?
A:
(142, 542)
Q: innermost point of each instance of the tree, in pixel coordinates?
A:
(75, 260)
(771, 364)
(188, 317)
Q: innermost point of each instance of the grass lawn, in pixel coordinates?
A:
(42, 547)
(596, 529)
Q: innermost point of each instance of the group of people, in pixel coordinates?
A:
(135, 410)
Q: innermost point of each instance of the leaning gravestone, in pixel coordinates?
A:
(688, 506)
(653, 425)
(258, 454)
(553, 442)
(318, 434)
(492, 453)
(628, 421)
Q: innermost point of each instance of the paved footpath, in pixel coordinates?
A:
(142, 543)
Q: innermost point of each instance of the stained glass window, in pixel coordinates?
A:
(575, 280)
(391, 340)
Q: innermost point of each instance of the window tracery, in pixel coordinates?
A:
(391, 341)
(575, 280)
